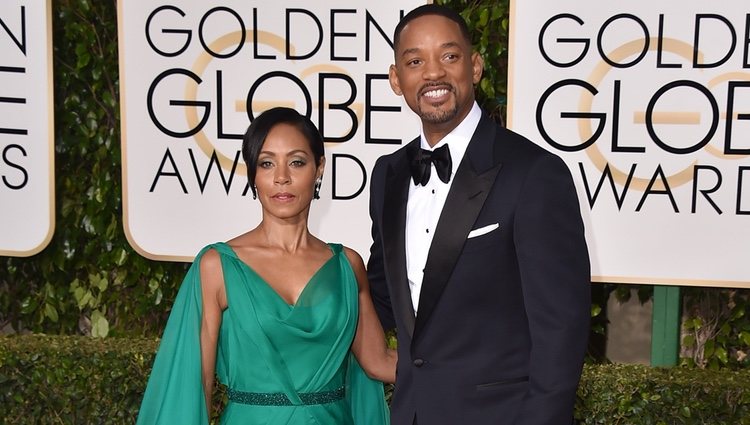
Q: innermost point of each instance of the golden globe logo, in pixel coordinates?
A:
(680, 112)
(293, 83)
(648, 105)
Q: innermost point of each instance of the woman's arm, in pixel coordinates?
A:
(214, 301)
(369, 346)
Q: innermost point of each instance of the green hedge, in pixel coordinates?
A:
(81, 380)
(72, 380)
(635, 394)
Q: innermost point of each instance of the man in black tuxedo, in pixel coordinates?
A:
(479, 257)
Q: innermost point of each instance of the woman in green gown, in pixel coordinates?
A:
(283, 319)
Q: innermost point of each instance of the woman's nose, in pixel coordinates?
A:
(281, 175)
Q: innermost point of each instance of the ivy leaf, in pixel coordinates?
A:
(83, 56)
(158, 297)
(86, 299)
(721, 354)
(484, 17)
(78, 294)
(99, 325)
(709, 348)
(688, 341)
(122, 256)
(745, 337)
(737, 313)
(29, 305)
(51, 312)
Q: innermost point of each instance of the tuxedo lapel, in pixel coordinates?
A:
(394, 237)
(473, 181)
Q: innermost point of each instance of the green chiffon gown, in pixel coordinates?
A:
(282, 364)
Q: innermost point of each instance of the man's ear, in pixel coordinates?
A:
(477, 67)
(393, 79)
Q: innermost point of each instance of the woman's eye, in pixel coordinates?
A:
(265, 164)
(298, 163)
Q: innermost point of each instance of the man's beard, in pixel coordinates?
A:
(438, 115)
(441, 116)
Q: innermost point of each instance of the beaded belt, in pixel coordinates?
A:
(280, 399)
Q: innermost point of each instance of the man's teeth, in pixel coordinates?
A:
(436, 93)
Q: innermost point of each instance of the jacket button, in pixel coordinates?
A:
(418, 362)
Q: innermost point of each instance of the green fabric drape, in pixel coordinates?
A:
(266, 346)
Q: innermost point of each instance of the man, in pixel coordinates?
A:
(479, 257)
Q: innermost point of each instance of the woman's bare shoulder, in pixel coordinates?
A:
(358, 265)
(353, 256)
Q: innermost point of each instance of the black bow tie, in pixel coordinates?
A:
(420, 162)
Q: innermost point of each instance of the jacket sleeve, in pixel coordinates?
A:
(174, 393)
(555, 277)
(375, 264)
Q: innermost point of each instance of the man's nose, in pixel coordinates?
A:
(433, 69)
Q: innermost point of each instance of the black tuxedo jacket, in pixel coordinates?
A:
(503, 318)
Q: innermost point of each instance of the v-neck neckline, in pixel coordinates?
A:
(271, 288)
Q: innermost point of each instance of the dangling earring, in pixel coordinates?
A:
(255, 192)
(316, 191)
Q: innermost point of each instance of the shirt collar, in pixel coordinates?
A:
(458, 139)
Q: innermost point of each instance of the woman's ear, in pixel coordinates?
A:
(321, 168)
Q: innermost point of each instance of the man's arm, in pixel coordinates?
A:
(375, 265)
(556, 276)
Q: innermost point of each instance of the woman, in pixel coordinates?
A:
(275, 312)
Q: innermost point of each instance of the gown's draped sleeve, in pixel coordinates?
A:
(365, 396)
(174, 394)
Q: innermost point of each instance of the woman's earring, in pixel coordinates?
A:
(255, 192)
(316, 191)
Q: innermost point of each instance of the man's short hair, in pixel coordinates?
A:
(431, 9)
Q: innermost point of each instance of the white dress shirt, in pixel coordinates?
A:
(426, 202)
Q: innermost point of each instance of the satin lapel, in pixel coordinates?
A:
(473, 181)
(394, 237)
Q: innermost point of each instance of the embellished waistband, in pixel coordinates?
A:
(280, 399)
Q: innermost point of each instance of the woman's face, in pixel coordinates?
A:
(286, 173)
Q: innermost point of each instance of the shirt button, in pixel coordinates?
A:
(433, 191)
(427, 230)
(418, 362)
